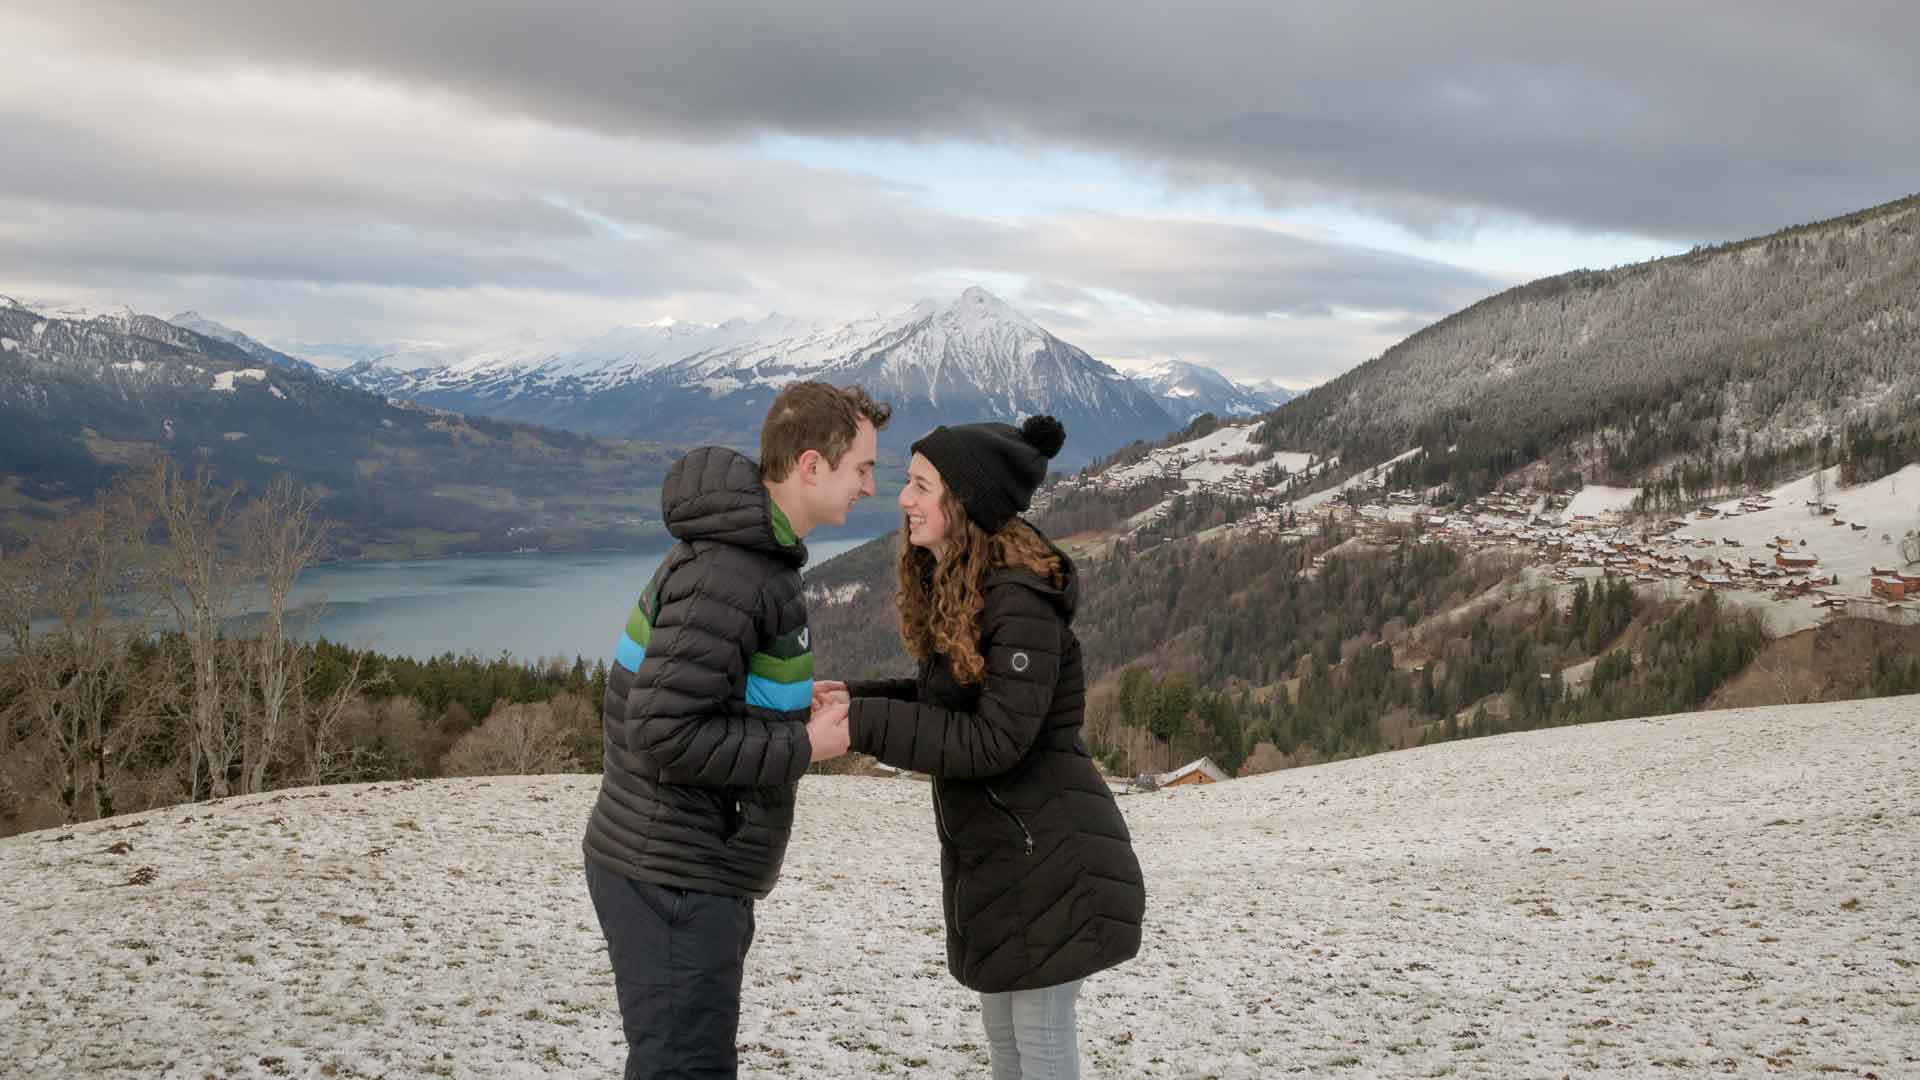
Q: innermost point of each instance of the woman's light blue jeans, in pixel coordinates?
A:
(1033, 1034)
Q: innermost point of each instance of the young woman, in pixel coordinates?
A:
(1040, 885)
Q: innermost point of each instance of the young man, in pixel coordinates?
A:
(708, 725)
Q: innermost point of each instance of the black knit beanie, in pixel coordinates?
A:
(993, 469)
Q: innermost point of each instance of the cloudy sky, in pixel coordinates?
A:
(1280, 190)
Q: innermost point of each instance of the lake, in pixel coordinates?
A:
(530, 605)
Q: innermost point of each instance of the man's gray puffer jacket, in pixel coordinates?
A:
(709, 693)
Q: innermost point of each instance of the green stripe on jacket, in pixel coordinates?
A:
(789, 670)
(639, 628)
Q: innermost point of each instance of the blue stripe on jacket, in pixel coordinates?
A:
(761, 692)
(629, 653)
(784, 697)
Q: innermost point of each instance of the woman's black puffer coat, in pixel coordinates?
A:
(1039, 879)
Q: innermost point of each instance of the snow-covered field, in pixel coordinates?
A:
(1721, 893)
(1888, 507)
(1596, 499)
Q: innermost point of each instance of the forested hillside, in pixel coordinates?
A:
(1750, 352)
(1288, 651)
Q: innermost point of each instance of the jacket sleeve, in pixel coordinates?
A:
(684, 709)
(1022, 642)
(895, 689)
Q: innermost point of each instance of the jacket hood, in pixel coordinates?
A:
(715, 494)
(1065, 597)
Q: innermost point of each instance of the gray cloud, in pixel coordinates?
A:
(329, 171)
(1687, 123)
(1243, 270)
(77, 243)
(345, 190)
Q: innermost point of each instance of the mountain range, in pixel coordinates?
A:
(429, 446)
(683, 383)
(87, 396)
(1700, 372)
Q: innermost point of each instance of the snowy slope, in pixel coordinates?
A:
(1707, 894)
(205, 327)
(1596, 500)
(1210, 459)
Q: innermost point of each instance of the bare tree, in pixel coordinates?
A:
(280, 533)
(21, 767)
(513, 740)
(198, 581)
(328, 751)
(70, 703)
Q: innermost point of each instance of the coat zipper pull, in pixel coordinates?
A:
(1025, 834)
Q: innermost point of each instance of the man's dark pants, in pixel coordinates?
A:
(677, 959)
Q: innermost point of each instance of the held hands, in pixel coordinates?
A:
(829, 692)
(827, 729)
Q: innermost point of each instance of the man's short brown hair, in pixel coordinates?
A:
(815, 416)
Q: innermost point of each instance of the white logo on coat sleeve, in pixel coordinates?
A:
(1020, 661)
(803, 636)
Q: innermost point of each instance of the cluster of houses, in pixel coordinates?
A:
(1108, 481)
(1895, 586)
(1570, 545)
(1786, 569)
(1576, 545)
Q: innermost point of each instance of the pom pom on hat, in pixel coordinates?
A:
(1044, 434)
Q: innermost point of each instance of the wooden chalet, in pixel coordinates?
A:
(1202, 771)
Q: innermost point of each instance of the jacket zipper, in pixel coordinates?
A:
(940, 817)
(994, 798)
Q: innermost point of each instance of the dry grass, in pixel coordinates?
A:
(1825, 663)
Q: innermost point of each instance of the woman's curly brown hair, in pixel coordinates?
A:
(940, 600)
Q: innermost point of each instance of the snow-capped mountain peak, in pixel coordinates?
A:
(1187, 389)
(977, 308)
(205, 327)
(674, 381)
(208, 328)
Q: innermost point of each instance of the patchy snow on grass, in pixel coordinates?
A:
(1718, 893)
(1198, 459)
(1596, 500)
(223, 382)
(1371, 477)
